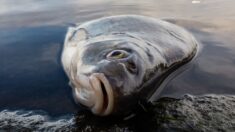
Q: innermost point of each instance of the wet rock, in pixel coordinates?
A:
(190, 113)
(31, 121)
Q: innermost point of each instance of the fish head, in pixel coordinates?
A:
(106, 75)
(112, 65)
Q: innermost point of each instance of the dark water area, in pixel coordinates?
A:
(32, 34)
(31, 73)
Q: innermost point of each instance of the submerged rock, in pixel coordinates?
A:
(189, 113)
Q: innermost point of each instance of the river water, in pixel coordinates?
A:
(32, 34)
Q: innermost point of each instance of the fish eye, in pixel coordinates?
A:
(117, 54)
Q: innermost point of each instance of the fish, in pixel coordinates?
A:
(115, 62)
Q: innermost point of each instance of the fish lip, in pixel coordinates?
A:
(105, 105)
(97, 94)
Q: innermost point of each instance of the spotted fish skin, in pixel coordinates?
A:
(154, 48)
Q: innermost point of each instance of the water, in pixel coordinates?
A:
(32, 34)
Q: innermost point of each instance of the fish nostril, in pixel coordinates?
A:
(131, 66)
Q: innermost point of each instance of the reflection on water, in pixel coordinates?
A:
(16, 13)
(212, 71)
(32, 34)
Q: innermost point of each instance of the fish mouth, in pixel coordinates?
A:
(95, 92)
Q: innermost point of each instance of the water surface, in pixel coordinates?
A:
(32, 34)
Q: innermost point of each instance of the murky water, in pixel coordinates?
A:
(32, 34)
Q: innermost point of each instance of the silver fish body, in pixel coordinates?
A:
(113, 62)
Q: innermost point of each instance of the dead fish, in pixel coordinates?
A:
(113, 62)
